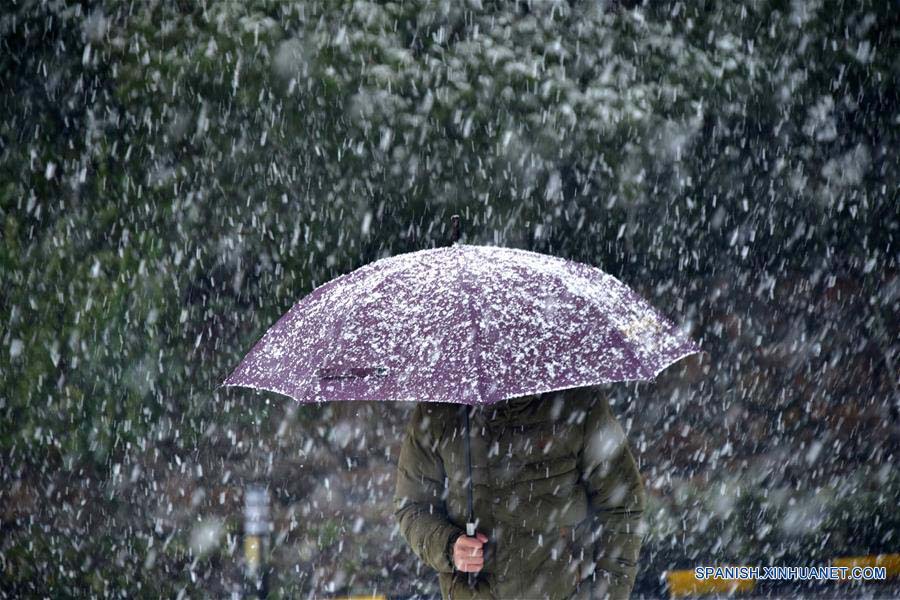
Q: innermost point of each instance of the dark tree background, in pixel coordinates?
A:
(175, 175)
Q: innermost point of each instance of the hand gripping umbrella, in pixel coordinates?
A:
(467, 324)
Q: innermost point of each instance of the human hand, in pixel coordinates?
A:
(468, 553)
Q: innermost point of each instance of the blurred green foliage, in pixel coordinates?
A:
(174, 175)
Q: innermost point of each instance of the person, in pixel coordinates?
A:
(557, 497)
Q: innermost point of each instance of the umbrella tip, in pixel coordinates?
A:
(454, 229)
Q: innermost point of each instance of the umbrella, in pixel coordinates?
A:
(467, 324)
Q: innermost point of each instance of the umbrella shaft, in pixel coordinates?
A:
(470, 524)
(471, 519)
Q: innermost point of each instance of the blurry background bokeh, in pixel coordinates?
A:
(175, 175)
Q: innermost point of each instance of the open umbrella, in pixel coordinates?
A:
(465, 324)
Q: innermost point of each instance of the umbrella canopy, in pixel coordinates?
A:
(465, 324)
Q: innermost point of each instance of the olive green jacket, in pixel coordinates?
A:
(556, 491)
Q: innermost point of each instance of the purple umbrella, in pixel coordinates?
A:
(464, 324)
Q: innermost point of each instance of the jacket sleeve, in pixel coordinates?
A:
(616, 498)
(419, 496)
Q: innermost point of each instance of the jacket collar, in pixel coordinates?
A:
(510, 409)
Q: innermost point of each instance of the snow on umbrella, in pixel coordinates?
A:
(466, 324)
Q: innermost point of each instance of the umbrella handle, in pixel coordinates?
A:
(470, 531)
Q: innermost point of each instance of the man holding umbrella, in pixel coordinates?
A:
(556, 493)
(503, 350)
